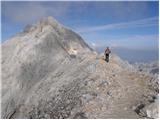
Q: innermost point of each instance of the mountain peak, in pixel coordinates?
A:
(46, 21)
(49, 21)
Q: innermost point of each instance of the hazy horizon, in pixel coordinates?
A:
(132, 55)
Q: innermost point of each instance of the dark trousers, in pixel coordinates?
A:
(107, 58)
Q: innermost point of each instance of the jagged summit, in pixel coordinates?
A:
(47, 21)
(49, 36)
(48, 71)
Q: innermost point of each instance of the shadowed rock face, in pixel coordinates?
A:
(48, 71)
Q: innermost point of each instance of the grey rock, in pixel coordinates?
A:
(48, 71)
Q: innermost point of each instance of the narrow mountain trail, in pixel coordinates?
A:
(115, 91)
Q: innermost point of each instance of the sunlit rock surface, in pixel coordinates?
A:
(48, 71)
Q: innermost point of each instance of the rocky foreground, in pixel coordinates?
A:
(48, 71)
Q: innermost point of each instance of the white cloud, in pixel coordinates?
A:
(122, 9)
(24, 13)
(133, 24)
(28, 12)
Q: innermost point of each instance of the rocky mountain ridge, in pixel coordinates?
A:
(48, 71)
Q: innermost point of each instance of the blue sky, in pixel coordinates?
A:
(131, 25)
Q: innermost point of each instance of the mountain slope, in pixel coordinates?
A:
(48, 71)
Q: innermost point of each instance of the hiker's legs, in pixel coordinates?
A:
(107, 57)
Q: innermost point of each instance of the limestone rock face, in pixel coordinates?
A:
(48, 71)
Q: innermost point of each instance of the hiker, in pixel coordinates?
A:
(107, 52)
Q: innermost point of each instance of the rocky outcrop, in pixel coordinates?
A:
(48, 71)
(152, 68)
(151, 109)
